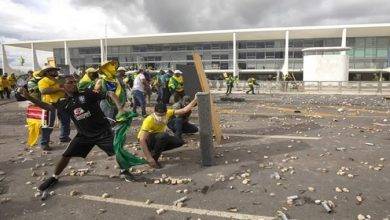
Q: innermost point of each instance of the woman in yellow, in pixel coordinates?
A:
(152, 136)
(51, 92)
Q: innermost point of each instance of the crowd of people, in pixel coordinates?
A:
(7, 84)
(95, 100)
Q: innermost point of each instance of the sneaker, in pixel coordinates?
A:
(65, 140)
(48, 183)
(45, 147)
(127, 176)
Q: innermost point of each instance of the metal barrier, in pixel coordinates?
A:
(331, 87)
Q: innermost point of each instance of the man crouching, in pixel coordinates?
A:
(152, 136)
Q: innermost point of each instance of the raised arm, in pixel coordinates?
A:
(39, 103)
(116, 101)
(187, 108)
(50, 90)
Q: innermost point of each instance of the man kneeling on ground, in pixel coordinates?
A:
(92, 126)
(180, 124)
(152, 136)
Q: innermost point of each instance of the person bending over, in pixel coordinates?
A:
(153, 137)
(180, 124)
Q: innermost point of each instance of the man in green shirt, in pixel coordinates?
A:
(251, 83)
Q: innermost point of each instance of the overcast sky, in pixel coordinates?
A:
(59, 19)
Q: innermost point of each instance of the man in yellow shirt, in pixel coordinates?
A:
(12, 80)
(51, 91)
(6, 87)
(152, 136)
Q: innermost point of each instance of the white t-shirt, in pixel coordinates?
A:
(138, 83)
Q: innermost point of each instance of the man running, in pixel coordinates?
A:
(92, 126)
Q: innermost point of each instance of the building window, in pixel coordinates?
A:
(215, 57)
(260, 55)
(215, 46)
(269, 55)
(260, 45)
(279, 55)
(250, 44)
(298, 54)
(224, 46)
(89, 50)
(241, 55)
(269, 44)
(224, 57)
(224, 66)
(189, 57)
(242, 65)
(241, 45)
(251, 55)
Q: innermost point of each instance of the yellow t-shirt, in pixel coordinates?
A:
(5, 83)
(49, 83)
(149, 124)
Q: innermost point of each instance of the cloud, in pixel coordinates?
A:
(61, 19)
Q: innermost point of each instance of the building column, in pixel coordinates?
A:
(35, 58)
(67, 58)
(235, 67)
(286, 51)
(66, 53)
(6, 67)
(344, 41)
(103, 52)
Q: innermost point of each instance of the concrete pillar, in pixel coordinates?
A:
(235, 66)
(6, 67)
(68, 62)
(205, 129)
(66, 53)
(35, 58)
(103, 52)
(344, 41)
(286, 48)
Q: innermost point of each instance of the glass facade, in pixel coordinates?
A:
(367, 52)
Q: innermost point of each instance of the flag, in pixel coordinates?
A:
(124, 158)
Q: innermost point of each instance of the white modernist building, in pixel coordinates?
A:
(261, 52)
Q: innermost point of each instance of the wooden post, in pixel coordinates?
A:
(215, 119)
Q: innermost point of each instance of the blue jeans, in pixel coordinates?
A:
(139, 100)
(160, 92)
(179, 126)
(64, 127)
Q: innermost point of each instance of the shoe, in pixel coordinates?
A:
(45, 147)
(127, 176)
(48, 183)
(66, 140)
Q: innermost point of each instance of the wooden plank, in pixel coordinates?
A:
(215, 117)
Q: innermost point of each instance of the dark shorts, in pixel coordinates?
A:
(80, 146)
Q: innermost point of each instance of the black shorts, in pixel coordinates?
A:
(80, 146)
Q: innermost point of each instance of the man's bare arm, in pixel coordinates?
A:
(39, 103)
(50, 90)
(145, 149)
(186, 109)
(116, 101)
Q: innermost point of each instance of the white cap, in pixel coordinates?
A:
(121, 68)
(178, 71)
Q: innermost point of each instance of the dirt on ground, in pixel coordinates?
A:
(280, 154)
